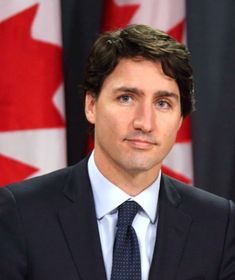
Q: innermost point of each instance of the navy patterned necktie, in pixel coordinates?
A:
(126, 254)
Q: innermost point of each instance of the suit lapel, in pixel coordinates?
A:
(79, 224)
(173, 229)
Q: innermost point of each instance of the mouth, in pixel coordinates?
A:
(142, 144)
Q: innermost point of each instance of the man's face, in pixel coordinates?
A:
(136, 117)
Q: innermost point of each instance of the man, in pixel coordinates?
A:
(68, 225)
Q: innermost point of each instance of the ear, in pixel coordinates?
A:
(90, 103)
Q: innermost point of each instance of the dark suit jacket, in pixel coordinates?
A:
(48, 231)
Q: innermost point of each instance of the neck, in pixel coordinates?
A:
(131, 182)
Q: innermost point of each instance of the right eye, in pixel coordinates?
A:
(125, 98)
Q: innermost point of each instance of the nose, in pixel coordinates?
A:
(144, 117)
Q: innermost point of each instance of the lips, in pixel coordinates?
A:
(140, 143)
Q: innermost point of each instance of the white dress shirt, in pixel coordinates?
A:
(107, 198)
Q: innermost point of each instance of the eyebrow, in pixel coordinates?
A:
(128, 89)
(160, 93)
(164, 93)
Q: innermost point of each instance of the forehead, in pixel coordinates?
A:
(140, 73)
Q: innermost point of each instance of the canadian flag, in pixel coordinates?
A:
(168, 16)
(32, 122)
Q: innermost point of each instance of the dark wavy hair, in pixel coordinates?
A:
(148, 43)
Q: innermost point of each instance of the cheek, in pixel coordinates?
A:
(107, 120)
(170, 129)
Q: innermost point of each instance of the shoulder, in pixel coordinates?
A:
(196, 201)
(44, 186)
(211, 219)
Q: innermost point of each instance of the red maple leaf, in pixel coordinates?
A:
(13, 170)
(117, 16)
(31, 72)
(177, 31)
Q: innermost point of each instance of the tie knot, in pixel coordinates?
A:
(127, 212)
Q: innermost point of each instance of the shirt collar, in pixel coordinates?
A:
(108, 196)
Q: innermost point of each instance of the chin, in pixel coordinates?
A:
(141, 166)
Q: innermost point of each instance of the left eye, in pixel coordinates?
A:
(163, 104)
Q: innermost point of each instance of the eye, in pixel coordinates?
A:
(125, 98)
(163, 104)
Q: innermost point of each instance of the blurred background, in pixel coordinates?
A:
(43, 50)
